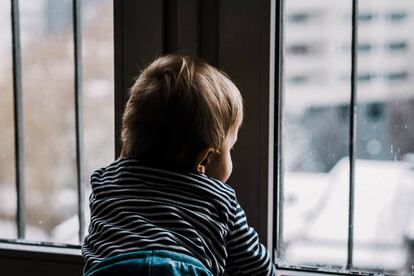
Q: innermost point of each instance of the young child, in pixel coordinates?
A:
(164, 202)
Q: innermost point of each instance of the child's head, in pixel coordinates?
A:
(182, 114)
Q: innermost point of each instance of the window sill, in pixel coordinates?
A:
(286, 270)
(18, 246)
(18, 258)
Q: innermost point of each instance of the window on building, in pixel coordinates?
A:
(397, 16)
(316, 138)
(298, 17)
(303, 49)
(365, 77)
(49, 209)
(396, 76)
(366, 17)
(397, 46)
(364, 47)
(375, 111)
(299, 79)
(301, 17)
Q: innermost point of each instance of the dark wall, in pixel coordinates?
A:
(233, 35)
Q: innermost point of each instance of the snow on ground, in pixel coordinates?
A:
(382, 215)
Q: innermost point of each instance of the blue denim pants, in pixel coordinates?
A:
(154, 263)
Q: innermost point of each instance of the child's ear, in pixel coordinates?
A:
(202, 160)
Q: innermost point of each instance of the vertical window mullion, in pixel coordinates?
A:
(78, 114)
(18, 119)
(278, 191)
(352, 133)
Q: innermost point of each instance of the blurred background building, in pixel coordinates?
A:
(48, 110)
(317, 42)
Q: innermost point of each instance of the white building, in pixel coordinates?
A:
(317, 70)
(317, 38)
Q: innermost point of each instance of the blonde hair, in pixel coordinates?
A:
(178, 106)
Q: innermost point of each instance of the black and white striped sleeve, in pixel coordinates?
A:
(246, 255)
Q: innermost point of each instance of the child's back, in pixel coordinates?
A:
(167, 193)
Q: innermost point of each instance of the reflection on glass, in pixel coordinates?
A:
(315, 132)
(384, 180)
(7, 161)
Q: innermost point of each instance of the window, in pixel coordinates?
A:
(397, 16)
(298, 17)
(347, 164)
(397, 46)
(303, 49)
(364, 47)
(299, 79)
(302, 17)
(364, 77)
(396, 76)
(365, 17)
(56, 133)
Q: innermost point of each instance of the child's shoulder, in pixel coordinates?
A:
(215, 183)
(199, 183)
(114, 166)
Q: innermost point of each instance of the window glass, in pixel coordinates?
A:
(7, 161)
(49, 119)
(384, 180)
(49, 113)
(315, 135)
(98, 101)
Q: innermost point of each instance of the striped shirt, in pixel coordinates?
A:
(134, 207)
